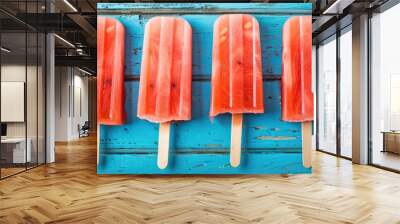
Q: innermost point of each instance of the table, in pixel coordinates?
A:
(391, 141)
(17, 150)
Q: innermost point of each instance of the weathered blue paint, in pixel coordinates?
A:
(265, 131)
(205, 8)
(201, 146)
(202, 26)
(252, 163)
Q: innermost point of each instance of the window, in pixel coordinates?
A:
(346, 92)
(327, 96)
(385, 89)
(22, 77)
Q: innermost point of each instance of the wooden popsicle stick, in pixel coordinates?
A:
(236, 139)
(306, 143)
(163, 145)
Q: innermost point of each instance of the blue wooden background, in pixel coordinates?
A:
(201, 146)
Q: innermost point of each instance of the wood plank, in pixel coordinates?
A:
(201, 137)
(207, 163)
(204, 8)
(260, 132)
(202, 27)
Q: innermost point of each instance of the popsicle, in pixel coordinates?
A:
(166, 77)
(236, 85)
(110, 71)
(297, 95)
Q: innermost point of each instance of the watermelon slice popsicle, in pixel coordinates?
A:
(166, 77)
(297, 96)
(236, 85)
(110, 67)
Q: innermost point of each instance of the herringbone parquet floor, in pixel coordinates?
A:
(69, 191)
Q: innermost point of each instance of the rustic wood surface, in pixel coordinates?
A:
(202, 145)
(70, 191)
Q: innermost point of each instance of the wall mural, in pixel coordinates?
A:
(216, 88)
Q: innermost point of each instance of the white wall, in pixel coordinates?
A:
(16, 72)
(33, 127)
(71, 93)
(61, 103)
(10, 73)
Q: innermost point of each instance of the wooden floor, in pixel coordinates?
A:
(69, 191)
(5, 172)
(387, 159)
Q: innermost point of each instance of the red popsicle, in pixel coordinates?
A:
(166, 72)
(166, 77)
(297, 95)
(236, 85)
(110, 71)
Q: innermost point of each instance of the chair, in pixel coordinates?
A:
(84, 130)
